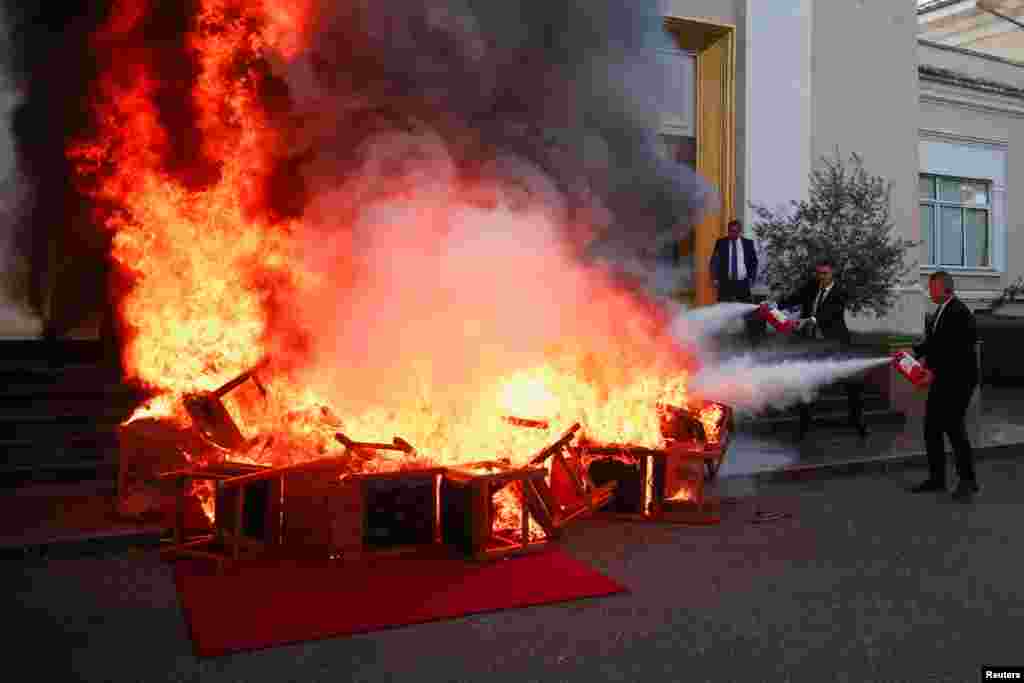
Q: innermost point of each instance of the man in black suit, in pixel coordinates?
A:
(823, 318)
(948, 350)
(733, 272)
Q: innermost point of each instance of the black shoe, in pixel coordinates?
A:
(928, 486)
(965, 491)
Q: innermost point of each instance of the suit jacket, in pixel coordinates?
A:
(949, 349)
(720, 259)
(831, 315)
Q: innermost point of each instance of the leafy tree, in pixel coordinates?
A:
(846, 219)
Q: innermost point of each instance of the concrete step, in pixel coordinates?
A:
(71, 456)
(827, 403)
(79, 446)
(68, 519)
(28, 406)
(13, 351)
(77, 379)
(44, 429)
(47, 471)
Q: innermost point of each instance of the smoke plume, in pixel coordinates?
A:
(48, 234)
(751, 387)
(482, 180)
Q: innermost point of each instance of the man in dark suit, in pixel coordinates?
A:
(948, 351)
(822, 304)
(733, 272)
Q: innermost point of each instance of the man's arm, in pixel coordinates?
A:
(832, 309)
(752, 270)
(921, 350)
(796, 298)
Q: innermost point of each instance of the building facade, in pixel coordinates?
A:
(805, 84)
(940, 121)
(971, 91)
(765, 89)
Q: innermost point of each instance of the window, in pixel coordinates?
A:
(676, 136)
(956, 221)
(677, 105)
(681, 149)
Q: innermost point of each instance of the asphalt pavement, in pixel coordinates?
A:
(853, 579)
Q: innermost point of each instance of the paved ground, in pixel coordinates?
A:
(864, 582)
(997, 422)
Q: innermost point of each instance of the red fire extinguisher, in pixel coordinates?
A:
(911, 368)
(776, 318)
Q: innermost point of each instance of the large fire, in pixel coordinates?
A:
(220, 284)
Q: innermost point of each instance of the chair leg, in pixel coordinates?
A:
(712, 468)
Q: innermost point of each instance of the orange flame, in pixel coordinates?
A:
(711, 416)
(209, 268)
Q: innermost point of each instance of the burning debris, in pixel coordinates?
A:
(331, 507)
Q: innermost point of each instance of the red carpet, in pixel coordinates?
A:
(261, 606)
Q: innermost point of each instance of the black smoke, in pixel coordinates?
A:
(562, 89)
(54, 60)
(44, 58)
(569, 87)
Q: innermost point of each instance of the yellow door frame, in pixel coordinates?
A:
(715, 46)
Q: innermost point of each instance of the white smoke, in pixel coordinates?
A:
(698, 324)
(15, 317)
(750, 387)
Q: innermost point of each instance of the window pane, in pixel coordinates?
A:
(949, 190)
(677, 97)
(977, 237)
(679, 148)
(927, 185)
(927, 233)
(974, 193)
(951, 236)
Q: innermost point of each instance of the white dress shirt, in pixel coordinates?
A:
(938, 314)
(819, 299)
(741, 259)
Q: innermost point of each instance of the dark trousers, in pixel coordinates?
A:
(854, 402)
(739, 290)
(945, 413)
(818, 348)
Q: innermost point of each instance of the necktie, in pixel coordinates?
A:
(938, 314)
(734, 268)
(817, 302)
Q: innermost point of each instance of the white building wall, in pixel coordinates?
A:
(864, 99)
(778, 158)
(967, 132)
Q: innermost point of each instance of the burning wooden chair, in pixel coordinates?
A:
(667, 483)
(650, 482)
(211, 418)
(318, 508)
(570, 493)
(333, 512)
(706, 428)
(468, 510)
(468, 500)
(150, 446)
(246, 518)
